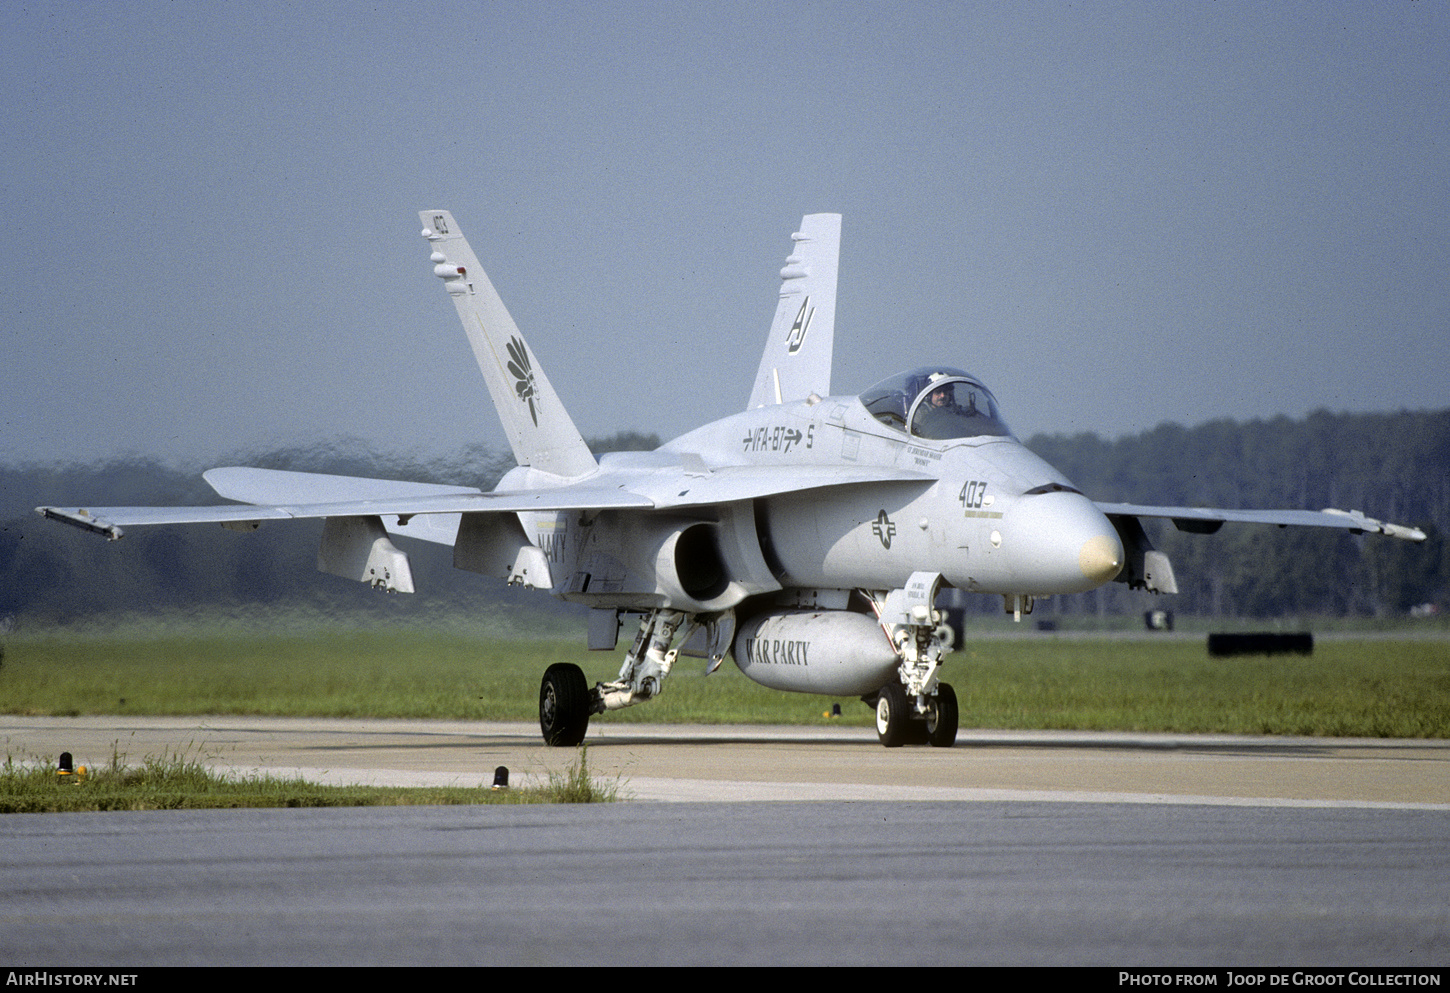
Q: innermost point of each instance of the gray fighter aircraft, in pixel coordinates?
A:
(807, 537)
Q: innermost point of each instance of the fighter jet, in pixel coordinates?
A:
(806, 537)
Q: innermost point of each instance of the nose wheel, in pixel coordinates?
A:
(941, 717)
(898, 722)
(893, 716)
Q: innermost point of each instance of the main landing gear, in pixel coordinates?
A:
(564, 704)
(913, 708)
(566, 701)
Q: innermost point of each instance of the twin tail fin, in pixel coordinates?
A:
(538, 427)
(797, 359)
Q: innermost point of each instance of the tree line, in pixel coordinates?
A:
(1394, 467)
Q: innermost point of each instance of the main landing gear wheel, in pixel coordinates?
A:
(941, 717)
(564, 704)
(893, 717)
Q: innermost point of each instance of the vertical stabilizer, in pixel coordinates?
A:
(797, 359)
(538, 427)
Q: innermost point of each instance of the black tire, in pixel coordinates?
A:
(893, 716)
(941, 718)
(564, 705)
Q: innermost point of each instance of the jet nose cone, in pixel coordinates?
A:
(1100, 558)
(1060, 543)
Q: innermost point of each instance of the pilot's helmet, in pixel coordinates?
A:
(947, 390)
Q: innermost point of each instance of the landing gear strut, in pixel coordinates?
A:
(914, 707)
(566, 700)
(648, 663)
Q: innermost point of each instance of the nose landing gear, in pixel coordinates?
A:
(899, 723)
(914, 708)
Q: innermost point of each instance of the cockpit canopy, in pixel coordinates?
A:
(936, 403)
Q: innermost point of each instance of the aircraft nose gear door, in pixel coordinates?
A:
(916, 707)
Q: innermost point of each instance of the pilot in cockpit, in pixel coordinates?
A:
(939, 416)
(941, 404)
(945, 397)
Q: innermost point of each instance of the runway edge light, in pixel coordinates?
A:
(66, 771)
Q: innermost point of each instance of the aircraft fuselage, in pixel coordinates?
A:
(807, 538)
(985, 512)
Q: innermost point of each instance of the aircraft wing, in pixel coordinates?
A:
(274, 495)
(299, 495)
(689, 484)
(110, 520)
(1206, 520)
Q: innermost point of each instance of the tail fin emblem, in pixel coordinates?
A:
(797, 336)
(523, 373)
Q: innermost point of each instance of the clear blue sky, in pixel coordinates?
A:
(1116, 214)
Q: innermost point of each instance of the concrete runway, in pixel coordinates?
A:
(1111, 850)
(735, 762)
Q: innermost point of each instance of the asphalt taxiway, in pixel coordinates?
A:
(737, 762)
(1114, 850)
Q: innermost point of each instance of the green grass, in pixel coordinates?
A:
(184, 782)
(380, 673)
(1347, 688)
(1375, 687)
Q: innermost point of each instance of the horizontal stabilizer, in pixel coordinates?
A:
(274, 486)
